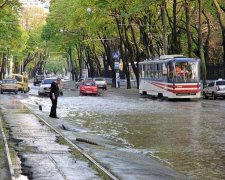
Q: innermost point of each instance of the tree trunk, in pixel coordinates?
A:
(188, 25)
(221, 16)
(163, 16)
(125, 64)
(72, 63)
(200, 43)
(207, 42)
(2, 72)
(174, 45)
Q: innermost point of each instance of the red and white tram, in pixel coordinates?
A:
(171, 76)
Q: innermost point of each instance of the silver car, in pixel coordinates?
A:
(215, 89)
(45, 87)
(101, 82)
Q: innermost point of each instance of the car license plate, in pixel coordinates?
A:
(88, 92)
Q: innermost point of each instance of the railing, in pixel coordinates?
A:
(123, 82)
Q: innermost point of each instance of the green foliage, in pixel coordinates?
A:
(55, 64)
(12, 35)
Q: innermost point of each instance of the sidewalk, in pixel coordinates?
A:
(42, 153)
(4, 170)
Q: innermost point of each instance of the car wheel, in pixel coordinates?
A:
(1, 92)
(16, 92)
(214, 96)
(205, 95)
(39, 94)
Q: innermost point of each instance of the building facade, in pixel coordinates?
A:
(36, 3)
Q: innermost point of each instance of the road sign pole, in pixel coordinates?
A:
(116, 65)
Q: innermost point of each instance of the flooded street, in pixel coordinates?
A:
(187, 136)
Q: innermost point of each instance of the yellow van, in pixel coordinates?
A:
(22, 82)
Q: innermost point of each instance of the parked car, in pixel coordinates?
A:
(215, 89)
(38, 79)
(101, 82)
(45, 87)
(9, 85)
(88, 87)
(22, 82)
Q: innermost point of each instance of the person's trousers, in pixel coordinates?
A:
(53, 108)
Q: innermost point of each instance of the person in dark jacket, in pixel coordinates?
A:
(54, 94)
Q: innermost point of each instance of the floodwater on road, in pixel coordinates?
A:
(189, 136)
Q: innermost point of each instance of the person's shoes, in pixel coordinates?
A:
(56, 117)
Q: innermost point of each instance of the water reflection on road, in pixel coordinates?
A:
(190, 136)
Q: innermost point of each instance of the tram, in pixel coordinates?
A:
(171, 76)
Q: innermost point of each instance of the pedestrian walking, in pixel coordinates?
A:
(54, 94)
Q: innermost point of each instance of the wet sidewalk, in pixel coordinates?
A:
(36, 151)
(4, 169)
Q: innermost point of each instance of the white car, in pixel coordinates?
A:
(215, 89)
(101, 82)
(45, 87)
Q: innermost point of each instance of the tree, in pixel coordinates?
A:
(201, 49)
(12, 36)
(221, 17)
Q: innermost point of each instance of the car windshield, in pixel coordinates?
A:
(18, 78)
(220, 83)
(9, 81)
(48, 81)
(89, 83)
(99, 79)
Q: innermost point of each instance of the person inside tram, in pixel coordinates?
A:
(184, 72)
(178, 72)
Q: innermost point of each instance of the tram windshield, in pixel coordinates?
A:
(183, 72)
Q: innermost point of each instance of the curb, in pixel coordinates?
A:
(11, 170)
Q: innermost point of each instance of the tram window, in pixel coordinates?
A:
(140, 70)
(164, 72)
(170, 72)
(160, 73)
(145, 70)
(186, 72)
(151, 71)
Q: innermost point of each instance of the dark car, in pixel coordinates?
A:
(38, 79)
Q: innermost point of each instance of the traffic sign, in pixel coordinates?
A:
(115, 55)
(116, 65)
